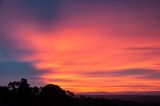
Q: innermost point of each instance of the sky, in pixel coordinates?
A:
(81, 45)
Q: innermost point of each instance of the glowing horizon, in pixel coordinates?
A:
(83, 46)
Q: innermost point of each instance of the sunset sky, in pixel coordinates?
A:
(81, 45)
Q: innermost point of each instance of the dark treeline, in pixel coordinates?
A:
(20, 93)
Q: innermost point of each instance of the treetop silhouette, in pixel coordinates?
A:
(20, 93)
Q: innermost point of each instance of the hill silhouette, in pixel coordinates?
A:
(20, 93)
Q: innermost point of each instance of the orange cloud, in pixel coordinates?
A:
(68, 52)
(93, 41)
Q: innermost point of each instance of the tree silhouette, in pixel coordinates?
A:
(13, 86)
(35, 91)
(20, 87)
(19, 93)
(24, 88)
(52, 90)
(69, 93)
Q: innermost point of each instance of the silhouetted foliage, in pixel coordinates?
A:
(35, 91)
(51, 90)
(19, 93)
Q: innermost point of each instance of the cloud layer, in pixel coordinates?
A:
(75, 44)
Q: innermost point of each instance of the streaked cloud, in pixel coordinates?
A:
(144, 48)
(149, 74)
